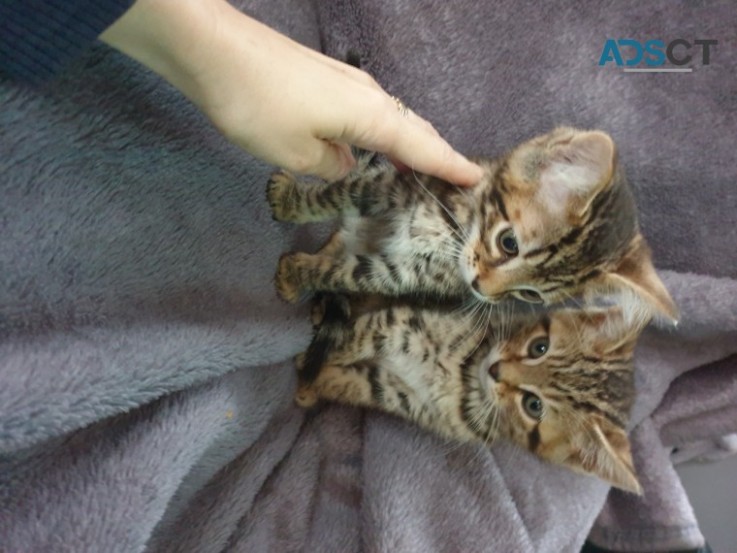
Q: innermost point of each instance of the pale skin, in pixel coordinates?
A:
(282, 102)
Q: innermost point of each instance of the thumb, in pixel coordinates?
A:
(331, 160)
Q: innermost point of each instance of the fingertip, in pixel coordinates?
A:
(469, 174)
(459, 170)
(449, 164)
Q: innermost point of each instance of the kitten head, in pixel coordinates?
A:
(563, 386)
(557, 219)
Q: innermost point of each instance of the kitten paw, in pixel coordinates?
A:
(287, 279)
(281, 193)
(299, 360)
(339, 306)
(305, 397)
(317, 312)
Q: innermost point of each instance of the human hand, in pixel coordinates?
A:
(286, 104)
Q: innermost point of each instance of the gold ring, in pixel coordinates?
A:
(403, 110)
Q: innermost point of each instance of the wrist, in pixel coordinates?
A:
(171, 37)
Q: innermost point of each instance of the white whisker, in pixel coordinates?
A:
(461, 231)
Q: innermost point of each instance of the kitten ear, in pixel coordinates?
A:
(607, 455)
(636, 274)
(609, 328)
(575, 171)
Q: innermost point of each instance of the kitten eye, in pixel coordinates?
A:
(507, 242)
(538, 347)
(530, 296)
(533, 405)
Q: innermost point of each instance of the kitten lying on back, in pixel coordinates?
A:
(551, 220)
(559, 384)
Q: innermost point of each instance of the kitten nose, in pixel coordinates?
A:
(475, 284)
(494, 371)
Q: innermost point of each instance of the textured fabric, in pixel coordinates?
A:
(39, 37)
(145, 361)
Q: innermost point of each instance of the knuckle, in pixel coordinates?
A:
(378, 102)
(365, 78)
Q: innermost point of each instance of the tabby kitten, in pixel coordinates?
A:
(559, 384)
(550, 220)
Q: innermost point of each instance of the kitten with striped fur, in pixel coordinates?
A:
(559, 384)
(552, 219)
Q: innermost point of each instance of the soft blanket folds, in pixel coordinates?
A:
(145, 361)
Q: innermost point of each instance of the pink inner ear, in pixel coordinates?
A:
(587, 159)
(576, 171)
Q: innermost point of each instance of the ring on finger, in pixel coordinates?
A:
(403, 110)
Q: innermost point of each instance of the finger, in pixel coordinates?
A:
(426, 125)
(418, 145)
(439, 159)
(412, 141)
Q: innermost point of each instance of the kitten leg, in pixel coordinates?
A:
(344, 362)
(344, 384)
(365, 192)
(292, 200)
(317, 310)
(362, 384)
(367, 274)
(301, 272)
(305, 396)
(334, 246)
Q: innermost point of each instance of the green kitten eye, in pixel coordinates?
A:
(530, 296)
(538, 348)
(507, 242)
(533, 405)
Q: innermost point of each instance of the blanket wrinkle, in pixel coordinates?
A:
(337, 504)
(223, 453)
(145, 360)
(137, 487)
(699, 404)
(707, 450)
(292, 498)
(413, 483)
(207, 521)
(656, 521)
(524, 525)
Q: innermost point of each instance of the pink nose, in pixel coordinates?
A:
(494, 371)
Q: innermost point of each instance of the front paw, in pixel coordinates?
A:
(317, 310)
(281, 193)
(306, 397)
(299, 360)
(287, 278)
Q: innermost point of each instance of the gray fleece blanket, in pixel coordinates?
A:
(145, 361)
